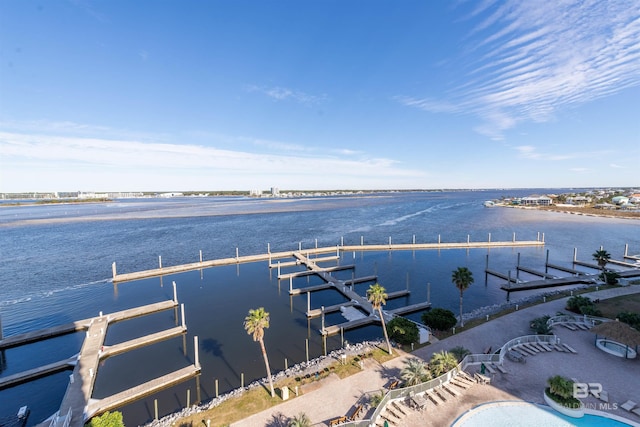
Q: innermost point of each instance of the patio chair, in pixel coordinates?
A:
(628, 405)
(604, 396)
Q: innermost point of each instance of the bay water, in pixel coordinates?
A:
(55, 268)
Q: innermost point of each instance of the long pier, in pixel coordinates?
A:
(271, 256)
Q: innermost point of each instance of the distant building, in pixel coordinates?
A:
(255, 193)
(536, 200)
(275, 191)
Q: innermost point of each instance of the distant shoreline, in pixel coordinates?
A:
(600, 213)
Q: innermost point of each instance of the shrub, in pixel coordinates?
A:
(590, 310)
(459, 352)
(403, 331)
(631, 319)
(108, 419)
(540, 326)
(609, 277)
(574, 303)
(439, 318)
(561, 391)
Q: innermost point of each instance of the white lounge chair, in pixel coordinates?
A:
(628, 405)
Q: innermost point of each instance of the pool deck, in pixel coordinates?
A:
(619, 377)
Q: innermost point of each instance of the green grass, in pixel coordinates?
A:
(258, 399)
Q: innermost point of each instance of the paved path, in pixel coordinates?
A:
(619, 377)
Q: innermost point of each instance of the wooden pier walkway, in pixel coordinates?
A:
(98, 406)
(35, 373)
(123, 347)
(354, 299)
(311, 272)
(549, 283)
(536, 272)
(270, 256)
(565, 269)
(85, 365)
(501, 275)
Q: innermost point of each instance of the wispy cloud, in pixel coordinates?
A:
(615, 166)
(84, 155)
(532, 153)
(279, 93)
(533, 58)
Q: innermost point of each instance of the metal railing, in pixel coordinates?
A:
(469, 360)
(576, 318)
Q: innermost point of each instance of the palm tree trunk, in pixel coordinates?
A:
(461, 321)
(266, 364)
(384, 329)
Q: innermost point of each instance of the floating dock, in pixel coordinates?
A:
(77, 405)
(346, 289)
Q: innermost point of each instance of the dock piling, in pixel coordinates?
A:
(237, 253)
(175, 292)
(429, 292)
(160, 261)
(316, 243)
(306, 346)
(361, 240)
(438, 239)
(308, 302)
(200, 256)
(113, 269)
(468, 238)
(217, 394)
(184, 324)
(196, 351)
(155, 409)
(489, 238)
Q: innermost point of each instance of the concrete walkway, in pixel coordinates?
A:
(333, 397)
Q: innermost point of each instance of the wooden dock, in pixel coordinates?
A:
(354, 299)
(565, 269)
(537, 273)
(35, 373)
(98, 406)
(81, 325)
(549, 283)
(271, 256)
(85, 365)
(501, 275)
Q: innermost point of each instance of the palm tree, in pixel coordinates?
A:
(462, 278)
(300, 420)
(414, 372)
(442, 362)
(378, 297)
(602, 257)
(255, 324)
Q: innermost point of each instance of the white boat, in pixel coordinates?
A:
(489, 204)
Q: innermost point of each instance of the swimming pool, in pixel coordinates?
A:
(524, 414)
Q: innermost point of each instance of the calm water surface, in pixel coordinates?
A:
(56, 261)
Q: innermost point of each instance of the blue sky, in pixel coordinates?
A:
(238, 95)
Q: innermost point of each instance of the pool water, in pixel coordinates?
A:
(523, 414)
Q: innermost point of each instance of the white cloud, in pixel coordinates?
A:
(615, 166)
(96, 162)
(279, 93)
(533, 58)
